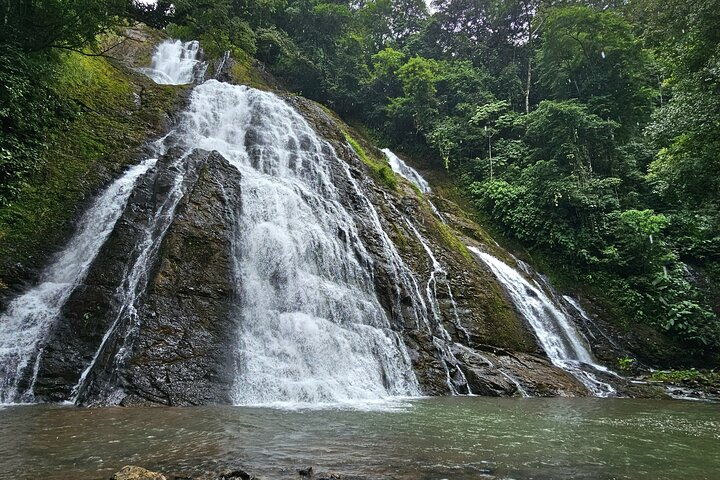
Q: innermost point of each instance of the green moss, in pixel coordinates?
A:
(380, 170)
(243, 72)
(399, 238)
(685, 376)
(417, 190)
(100, 138)
(452, 241)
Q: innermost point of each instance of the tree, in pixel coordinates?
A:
(593, 56)
(36, 25)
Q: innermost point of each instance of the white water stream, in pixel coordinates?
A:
(555, 332)
(401, 168)
(25, 323)
(311, 328)
(413, 176)
(176, 63)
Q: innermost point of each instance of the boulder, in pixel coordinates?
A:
(130, 472)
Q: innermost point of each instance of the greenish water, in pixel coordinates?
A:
(453, 438)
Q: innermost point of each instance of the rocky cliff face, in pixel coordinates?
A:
(172, 347)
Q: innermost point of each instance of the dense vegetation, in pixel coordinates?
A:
(70, 119)
(588, 131)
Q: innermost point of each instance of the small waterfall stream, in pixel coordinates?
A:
(27, 319)
(413, 176)
(176, 63)
(403, 169)
(444, 343)
(555, 332)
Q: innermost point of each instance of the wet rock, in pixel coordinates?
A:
(171, 346)
(235, 474)
(500, 373)
(306, 472)
(130, 472)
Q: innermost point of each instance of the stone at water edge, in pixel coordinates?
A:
(130, 472)
(235, 474)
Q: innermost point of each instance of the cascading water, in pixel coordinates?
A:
(136, 277)
(404, 170)
(176, 63)
(173, 63)
(556, 333)
(25, 323)
(221, 66)
(441, 337)
(312, 329)
(442, 344)
(401, 168)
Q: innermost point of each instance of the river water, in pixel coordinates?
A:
(453, 438)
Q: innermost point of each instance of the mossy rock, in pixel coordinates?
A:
(115, 111)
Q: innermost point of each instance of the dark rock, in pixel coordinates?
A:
(306, 472)
(500, 373)
(171, 347)
(231, 474)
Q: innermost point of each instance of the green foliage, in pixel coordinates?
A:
(35, 26)
(682, 376)
(27, 107)
(99, 134)
(215, 24)
(593, 56)
(625, 363)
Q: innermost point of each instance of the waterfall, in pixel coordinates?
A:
(410, 174)
(403, 169)
(221, 66)
(311, 327)
(136, 278)
(176, 63)
(25, 323)
(555, 332)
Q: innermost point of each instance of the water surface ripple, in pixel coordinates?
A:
(457, 438)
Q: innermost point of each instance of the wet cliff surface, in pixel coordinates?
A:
(176, 340)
